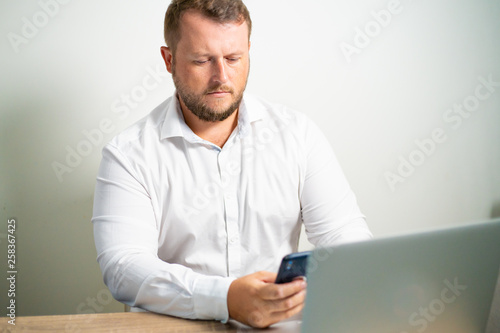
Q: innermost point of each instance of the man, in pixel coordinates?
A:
(196, 203)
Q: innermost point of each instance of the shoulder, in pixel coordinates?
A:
(261, 109)
(293, 127)
(277, 116)
(145, 129)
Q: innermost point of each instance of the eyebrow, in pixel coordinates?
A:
(196, 54)
(206, 54)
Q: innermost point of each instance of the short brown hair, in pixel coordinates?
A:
(222, 11)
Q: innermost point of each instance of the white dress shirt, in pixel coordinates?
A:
(177, 219)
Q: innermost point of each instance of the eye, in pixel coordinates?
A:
(200, 62)
(232, 59)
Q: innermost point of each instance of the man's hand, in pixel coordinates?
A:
(257, 301)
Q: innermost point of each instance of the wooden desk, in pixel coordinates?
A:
(128, 322)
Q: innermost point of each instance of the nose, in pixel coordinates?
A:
(219, 71)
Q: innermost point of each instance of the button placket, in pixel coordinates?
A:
(228, 188)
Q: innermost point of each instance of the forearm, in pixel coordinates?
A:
(137, 277)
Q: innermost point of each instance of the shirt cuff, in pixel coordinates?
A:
(210, 297)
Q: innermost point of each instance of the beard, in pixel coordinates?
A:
(194, 102)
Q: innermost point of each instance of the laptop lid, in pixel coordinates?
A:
(432, 282)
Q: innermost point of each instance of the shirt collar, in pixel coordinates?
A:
(250, 111)
(172, 125)
(175, 126)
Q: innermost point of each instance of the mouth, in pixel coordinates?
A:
(219, 93)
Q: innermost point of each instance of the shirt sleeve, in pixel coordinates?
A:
(126, 239)
(330, 212)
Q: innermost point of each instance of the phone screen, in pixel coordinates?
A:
(293, 266)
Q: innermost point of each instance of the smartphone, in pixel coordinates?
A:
(293, 266)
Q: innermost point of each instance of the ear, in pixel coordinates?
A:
(167, 55)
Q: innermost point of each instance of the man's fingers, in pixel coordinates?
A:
(257, 301)
(286, 304)
(282, 315)
(270, 312)
(282, 291)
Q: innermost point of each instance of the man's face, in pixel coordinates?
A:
(210, 66)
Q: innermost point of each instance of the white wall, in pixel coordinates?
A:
(73, 75)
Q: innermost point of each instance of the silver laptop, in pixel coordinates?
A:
(434, 282)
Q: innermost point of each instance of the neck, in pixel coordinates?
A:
(215, 132)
